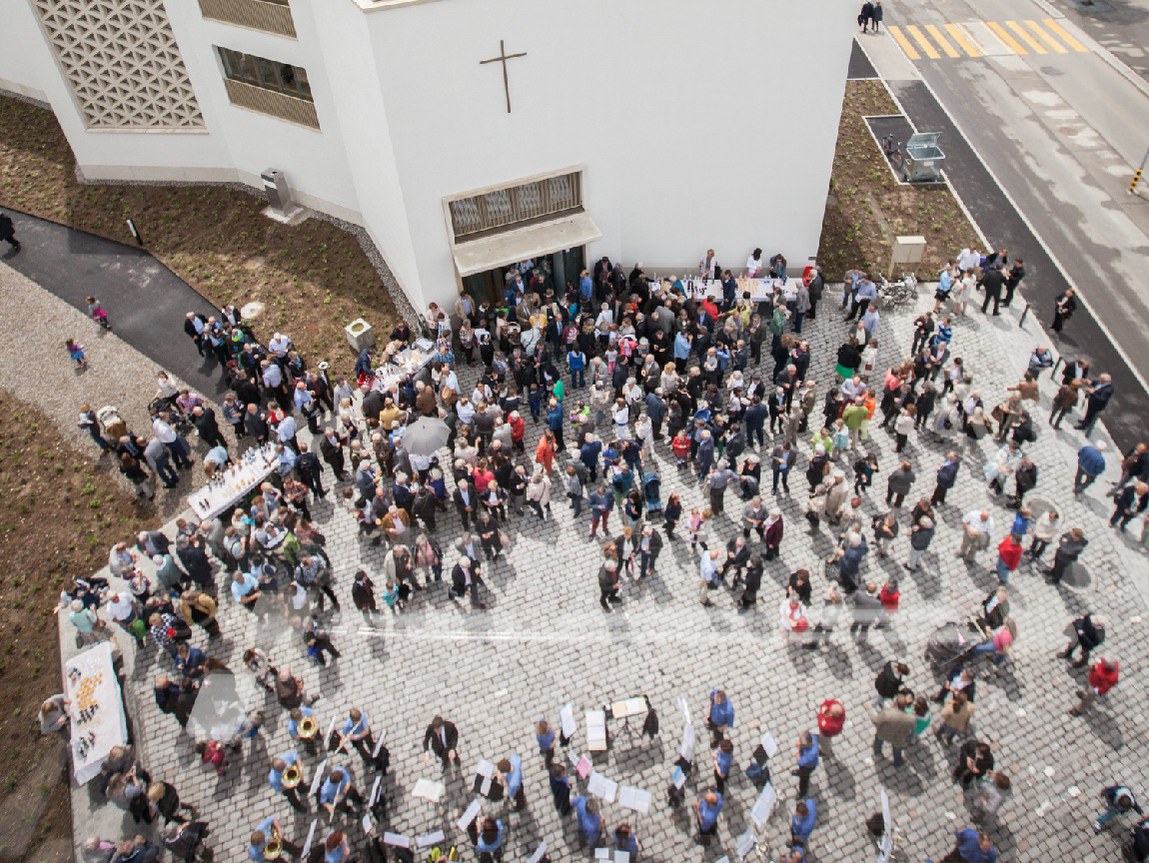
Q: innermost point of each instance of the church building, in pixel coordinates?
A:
(466, 135)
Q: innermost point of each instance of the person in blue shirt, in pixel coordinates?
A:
(624, 840)
(590, 823)
(336, 849)
(488, 839)
(721, 715)
(279, 765)
(1090, 465)
(190, 662)
(802, 822)
(512, 769)
(973, 846)
(356, 730)
(262, 835)
(337, 792)
(245, 590)
(545, 735)
(807, 761)
(681, 351)
(723, 761)
(588, 455)
(707, 809)
(585, 289)
(576, 359)
(601, 503)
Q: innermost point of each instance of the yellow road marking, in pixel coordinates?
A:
(920, 38)
(1064, 34)
(1006, 38)
(962, 38)
(1037, 47)
(942, 41)
(909, 49)
(1056, 46)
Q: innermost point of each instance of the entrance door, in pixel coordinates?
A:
(564, 267)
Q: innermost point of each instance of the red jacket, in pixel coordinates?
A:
(1103, 678)
(518, 429)
(890, 597)
(828, 724)
(1010, 553)
(681, 446)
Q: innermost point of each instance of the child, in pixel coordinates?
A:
(76, 352)
(681, 447)
(99, 315)
(694, 527)
(535, 401)
(890, 598)
(391, 597)
(922, 716)
(841, 437)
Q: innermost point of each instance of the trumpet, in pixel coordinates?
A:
(308, 727)
(292, 776)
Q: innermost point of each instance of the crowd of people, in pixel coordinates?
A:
(620, 377)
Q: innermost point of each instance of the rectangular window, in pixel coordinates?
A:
(266, 74)
(514, 206)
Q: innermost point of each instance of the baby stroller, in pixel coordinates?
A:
(950, 645)
(652, 489)
(109, 418)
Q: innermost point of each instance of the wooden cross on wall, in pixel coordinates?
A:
(503, 58)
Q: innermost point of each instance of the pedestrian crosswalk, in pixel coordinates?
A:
(984, 38)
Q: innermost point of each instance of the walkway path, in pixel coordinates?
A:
(146, 302)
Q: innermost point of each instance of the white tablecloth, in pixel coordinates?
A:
(229, 487)
(97, 709)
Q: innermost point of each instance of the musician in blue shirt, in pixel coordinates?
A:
(279, 765)
(721, 715)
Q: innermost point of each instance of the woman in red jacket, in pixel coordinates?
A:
(831, 720)
(1103, 674)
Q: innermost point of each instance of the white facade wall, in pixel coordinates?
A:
(699, 124)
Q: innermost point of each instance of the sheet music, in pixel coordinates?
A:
(723, 859)
(330, 728)
(574, 759)
(583, 767)
(744, 844)
(375, 789)
(688, 738)
(887, 820)
(428, 839)
(469, 815)
(396, 839)
(678, 777)
(485, 768)
(485, 788)
(567, 720)
(310, 838)
(318, 780)
(379, 745)
(769, 744)
(601, 853)
(539, 852)
(601, 787)
(428, 789)
(684, 709)
(764, 806)
(367, 823)
(635, 799)
(621, 857)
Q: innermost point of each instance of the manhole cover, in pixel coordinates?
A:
(252, 310)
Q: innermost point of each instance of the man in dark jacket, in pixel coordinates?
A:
(310, 470)
(1088, 634)
(1016, 274)
(946, 477)
(1069, 548)
(8, 232)
(1097, 396)
(992, 283)
(442, 738)
(656, 410)
(205, 423)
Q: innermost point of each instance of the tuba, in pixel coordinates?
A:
(292, 776)
(308, 727)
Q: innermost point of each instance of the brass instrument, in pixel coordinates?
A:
(292, 776)
(274, 846)
(308, 727)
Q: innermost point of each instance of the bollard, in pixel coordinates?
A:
(135, 233)
(1053, 371)
(1024, 312)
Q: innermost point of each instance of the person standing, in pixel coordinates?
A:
(807, 761)
(707, 809)
(946, 477)
(971, 846)
(1069, 548)
(894, 725)
(442, 738)
(1016, 274)
(1129, 501)
(721, 716)
(590, 821)
(1097, 396)
(898, 484)
(8, 232)
(609, 585)
(977, 532)
(992, 282)
(1063, 308)
(921, 535)
(1009, 553)
(878, 15)
(279, 765)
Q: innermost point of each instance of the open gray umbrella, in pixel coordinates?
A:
(425, 436)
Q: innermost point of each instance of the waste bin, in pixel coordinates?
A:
(923, 163)
(359, 334)
(275, 187)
